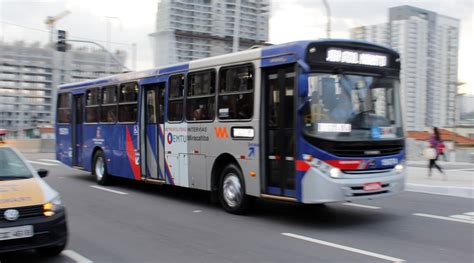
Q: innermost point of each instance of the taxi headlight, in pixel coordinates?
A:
(53, 206)
(399, 168)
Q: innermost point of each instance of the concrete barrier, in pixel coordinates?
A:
(47, 146)
(33, 145)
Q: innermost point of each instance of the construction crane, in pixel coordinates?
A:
(51, 20)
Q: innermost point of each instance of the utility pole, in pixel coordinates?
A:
(456, 95)
(134, 56)
(236, 39)
(328, 14)
(109, 37)
(56, 77)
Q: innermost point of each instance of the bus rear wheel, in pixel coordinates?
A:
(99, 169)
(232, 191)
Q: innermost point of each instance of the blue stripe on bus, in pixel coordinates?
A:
(279, 60)
(276, 191)
(182, 67)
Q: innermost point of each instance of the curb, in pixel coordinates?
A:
(466, 192)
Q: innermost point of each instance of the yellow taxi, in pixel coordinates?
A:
(31, 213)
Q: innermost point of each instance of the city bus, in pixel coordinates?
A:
(308, 121)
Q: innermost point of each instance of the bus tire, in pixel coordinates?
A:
(232, 191)
(99, 169)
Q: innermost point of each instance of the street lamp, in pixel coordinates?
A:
(51, 21)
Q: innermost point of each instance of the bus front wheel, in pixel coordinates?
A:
(232, 190)
(99, 169)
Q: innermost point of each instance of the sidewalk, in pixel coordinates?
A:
(460, 179)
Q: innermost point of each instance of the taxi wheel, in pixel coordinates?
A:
(232, 191)
(51, 251)
(99, 169)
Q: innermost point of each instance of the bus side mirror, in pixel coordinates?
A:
(42, 173)
(303, 85)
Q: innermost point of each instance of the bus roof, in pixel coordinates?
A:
(297, 48)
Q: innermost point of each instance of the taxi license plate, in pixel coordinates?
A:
(16, 232)
(372, 186)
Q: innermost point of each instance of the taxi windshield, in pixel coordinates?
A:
(12, 166)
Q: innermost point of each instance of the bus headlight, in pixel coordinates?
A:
(335, 172)
(323, 167)
(399, 168)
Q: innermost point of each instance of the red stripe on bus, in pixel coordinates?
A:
(345, 164)
(302, 166)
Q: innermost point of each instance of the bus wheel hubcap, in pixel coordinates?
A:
(99, 168)
(232, 190)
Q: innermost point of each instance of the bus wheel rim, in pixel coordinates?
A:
(232, 192)
(99, 168)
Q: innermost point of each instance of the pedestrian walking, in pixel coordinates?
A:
(436, 144)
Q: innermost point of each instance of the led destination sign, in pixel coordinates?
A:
(356, 57)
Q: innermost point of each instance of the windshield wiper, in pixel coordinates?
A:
(11, 177)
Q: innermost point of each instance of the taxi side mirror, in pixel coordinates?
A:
(42, 173)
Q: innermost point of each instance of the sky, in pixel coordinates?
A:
(289, 20)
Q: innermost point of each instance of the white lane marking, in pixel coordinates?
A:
(443, 218)
(463, 217)
(76, 256)
(351, 249)
(50, 160)
(469, 216)
(362, 206)
(108, 190)
(41, 163)
(461, 170)
(197, 211)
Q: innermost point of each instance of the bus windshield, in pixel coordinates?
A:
(352, 107)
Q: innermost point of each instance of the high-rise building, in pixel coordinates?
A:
(428, 44)
(28, 77)
(193, 29)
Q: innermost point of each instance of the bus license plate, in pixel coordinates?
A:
(16, 232)
(372, 186)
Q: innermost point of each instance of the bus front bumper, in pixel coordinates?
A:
(320, 188)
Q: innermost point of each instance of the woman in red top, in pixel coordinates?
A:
(435, 142)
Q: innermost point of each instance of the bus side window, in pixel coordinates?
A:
(200, 99)
(92, 105)
(108, 111)
(235, 100)
(64, 108)
(175, 98)
(128, 100)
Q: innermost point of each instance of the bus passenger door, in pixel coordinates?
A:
(77, 121)
(153, 126)
(279, 124)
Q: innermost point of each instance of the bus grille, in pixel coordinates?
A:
(366, 150)
(358, 149)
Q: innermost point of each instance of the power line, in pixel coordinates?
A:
(47, 32)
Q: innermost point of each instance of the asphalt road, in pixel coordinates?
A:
(146, 223)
